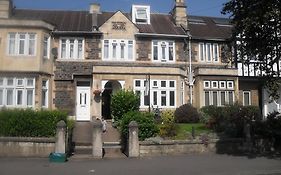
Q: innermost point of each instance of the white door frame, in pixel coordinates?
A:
(83, 103)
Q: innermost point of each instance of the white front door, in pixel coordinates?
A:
(83, 104)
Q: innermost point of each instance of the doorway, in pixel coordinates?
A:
(110, 88)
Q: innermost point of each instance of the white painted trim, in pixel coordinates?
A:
(75, 48)
(159, 51)
(118, 50)
(134, 13)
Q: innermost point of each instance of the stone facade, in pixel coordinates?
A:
(143, 49)
(66, 70)
(93, 48)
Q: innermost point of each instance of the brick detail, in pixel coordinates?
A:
(65, 70)
(65, 96)
(93, 48)
(143, 50)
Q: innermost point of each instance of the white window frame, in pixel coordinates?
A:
(250, 101)
(75, 48)
(160, 44)
(230, 85)
(215, 84)
(138, 20)
(15, 87)
(208, 86)
(26, 44)
(118, 43)
(158, 91)
(222, 84)
(46, 90)
(48, 46)
(209, 55)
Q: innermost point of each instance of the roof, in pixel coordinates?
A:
(200, 27)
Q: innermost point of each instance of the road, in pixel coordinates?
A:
(172, 165)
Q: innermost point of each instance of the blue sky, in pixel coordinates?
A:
(195, 7)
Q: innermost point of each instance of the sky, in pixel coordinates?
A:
(194, 7)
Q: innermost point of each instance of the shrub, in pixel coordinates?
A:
(147, 126)
(29, 123)
(229, 119)
(168, 127)
(186, 114)
(122, 102)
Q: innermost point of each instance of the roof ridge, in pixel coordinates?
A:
(49, 10)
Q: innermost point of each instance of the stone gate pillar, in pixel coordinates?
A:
(133, 143)
(60, 137)
(97, 139)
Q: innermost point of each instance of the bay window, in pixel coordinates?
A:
(162, 93)
(216, 93)
(118, 50)
(22, 44)
(17, 92)
(163, 51)
(46, 47)
(71, 48)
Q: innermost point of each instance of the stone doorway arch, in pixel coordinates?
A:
(109, 87)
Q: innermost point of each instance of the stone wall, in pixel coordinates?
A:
(66, 69)
(143, 50)
(65, 96)
(93, 48)
(26, 147)
(171, 147)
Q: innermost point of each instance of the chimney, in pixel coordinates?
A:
(179, 14)
(95, 10)
(6, 7)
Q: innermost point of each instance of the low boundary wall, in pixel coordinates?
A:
(26, 146)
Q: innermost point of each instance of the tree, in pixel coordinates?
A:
(257, 32)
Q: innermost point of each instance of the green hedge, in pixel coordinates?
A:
(147, 126)
(29, 123)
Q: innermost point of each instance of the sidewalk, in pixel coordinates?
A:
(177, 165)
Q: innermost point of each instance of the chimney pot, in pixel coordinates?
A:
(95, 8)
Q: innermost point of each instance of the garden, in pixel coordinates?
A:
(186, 122)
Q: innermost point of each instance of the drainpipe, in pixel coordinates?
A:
(191, 81)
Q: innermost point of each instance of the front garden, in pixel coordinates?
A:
(186, 122)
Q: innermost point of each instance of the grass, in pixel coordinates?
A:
(185, 130)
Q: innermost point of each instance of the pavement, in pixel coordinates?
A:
(172, 165)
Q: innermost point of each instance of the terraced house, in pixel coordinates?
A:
(75, 60)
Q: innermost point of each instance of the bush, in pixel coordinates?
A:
(229, 119)
(122, 102)
(186, 114)
(168, 128)
(147, 126)
(29, 123)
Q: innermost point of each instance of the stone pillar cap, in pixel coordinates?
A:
(97, 123)
(133, 124)
(61, 124)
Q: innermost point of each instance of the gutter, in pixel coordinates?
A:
(78, 32)
(161, 35)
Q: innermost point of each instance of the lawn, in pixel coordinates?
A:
(185, 130)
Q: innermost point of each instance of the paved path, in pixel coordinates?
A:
(177, 165)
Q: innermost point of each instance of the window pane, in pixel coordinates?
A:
(1, 97)
(207, 98)
(21, 43)
(146, 100)
(215, 98)
(246, 98)
(10, 97)
(215, 47)
(141, 13)
(208, 51)
(19, 97)
(71, 48)
(163, 83)
(154, 98)
(231, 99)
(222, 98)
(139, 94)
(163, 98)
(45, 47)
(29, 98)
(106, 49)
(171, 51)
(31, 49)
(114, 50)
(80, 49)
(63, 48)
(30, 82)
(122, 50)
(10, 82)
(202, 56)
(172, 84)
(137, 83)
(155, 50)
(130, 50)
(163, 48)
(12, 43)
(172, 98)
(44, 95)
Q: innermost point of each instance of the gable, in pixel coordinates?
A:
(119, 26)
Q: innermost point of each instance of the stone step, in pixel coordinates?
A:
(112, 145)
(83, 150)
